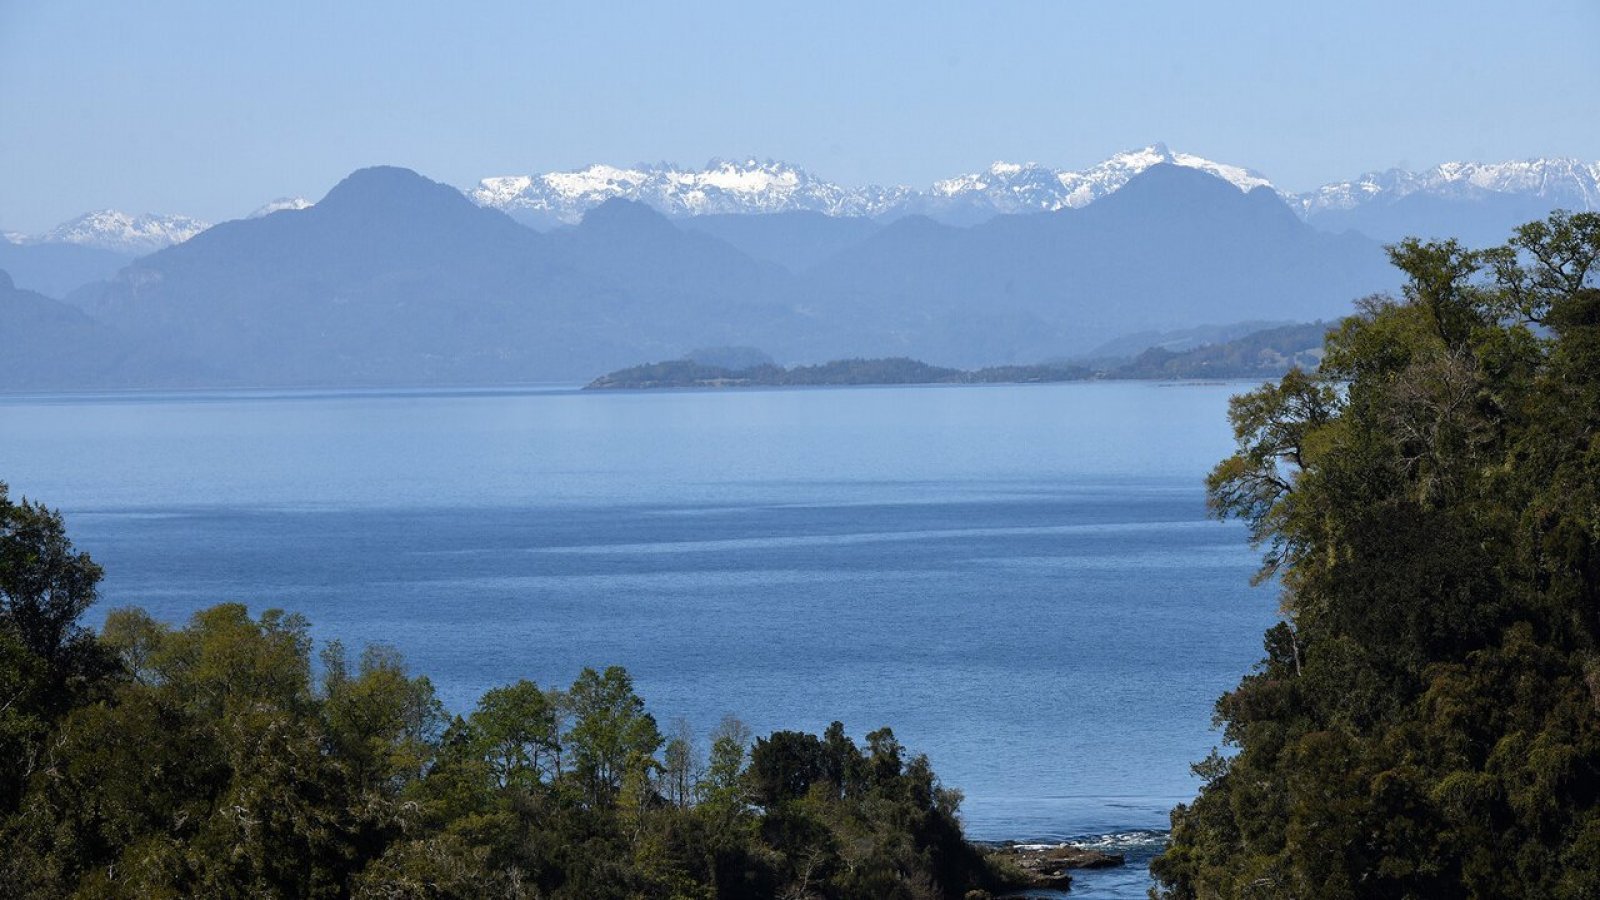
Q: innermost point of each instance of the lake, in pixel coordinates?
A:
(1021, 580)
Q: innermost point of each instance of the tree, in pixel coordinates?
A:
(730, 745)
(48, 661)
(1426, 720)
(45, 584)
(680, 771)
(205, 760)
(516, 729)
(610, 728)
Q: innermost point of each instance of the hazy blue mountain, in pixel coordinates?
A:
(1176, 340)
(50, 345)
(795, 240)
(1267, 353)
(1173, 248)
(674, 290)
(632, 247)
(57, 269)
(1477, 218)
(1478, 203)
(395, 279)
(390, 278)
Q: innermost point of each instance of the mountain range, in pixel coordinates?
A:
(119, 232)
(1477, 202)
(392, 278)
(1384, 205)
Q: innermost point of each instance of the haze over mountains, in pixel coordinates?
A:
(723, 187)
(51, 345)
(395, 279)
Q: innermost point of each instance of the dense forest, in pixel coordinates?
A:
(1426, 722)
(217, 759)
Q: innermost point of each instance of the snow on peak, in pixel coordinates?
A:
(1569, 182)
(763, 186)
(753, 185)
(1013, 187)
(119, 232)
(721, 186)
(280, 204)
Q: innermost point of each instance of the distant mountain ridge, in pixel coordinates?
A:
(119, 232)
(1485, 197)
(1564, 180)
(394, 279)
(1477, 203)
(753, 186)
(51, 345)
(721, 187)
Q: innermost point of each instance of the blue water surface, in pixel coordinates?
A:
(1020, 580)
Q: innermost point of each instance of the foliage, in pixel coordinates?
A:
(1426, 721)
(212, 760)
(48, 661)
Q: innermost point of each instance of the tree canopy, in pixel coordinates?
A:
(217, 759)
(1426, 721)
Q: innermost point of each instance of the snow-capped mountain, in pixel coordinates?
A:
(1564, 181)
(1479, 204)
(1009, 187)
(749, 186)
(754, 186)
(765, 186)
(1474, 201)
(280, 204)
(119, 232)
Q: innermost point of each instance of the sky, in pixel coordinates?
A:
(213, 107)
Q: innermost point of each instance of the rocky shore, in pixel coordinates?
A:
(1049, 866)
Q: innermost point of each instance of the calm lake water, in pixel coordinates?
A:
(1020, 580)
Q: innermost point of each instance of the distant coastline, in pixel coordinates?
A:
(686, 373)
(1268, 353)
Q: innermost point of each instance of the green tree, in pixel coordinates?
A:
(610, 730)
(45, 584)
(517, 731)
(206, 760)
(680, 769)
(48, 661)
(1426, 720)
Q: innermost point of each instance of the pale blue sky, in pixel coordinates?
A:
(212, 108)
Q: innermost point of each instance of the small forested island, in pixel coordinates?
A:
(1267, 353)
(691, 373)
